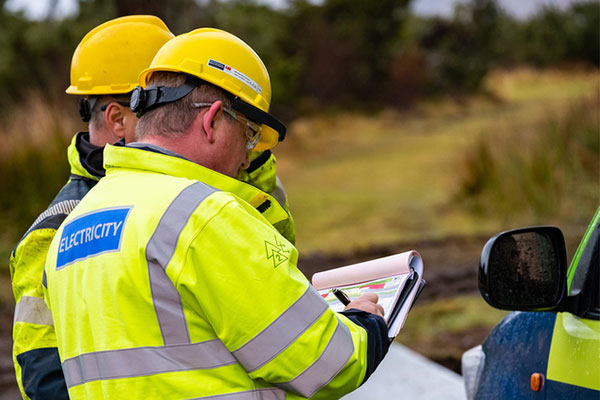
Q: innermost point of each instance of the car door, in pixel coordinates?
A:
(574, 358)
(552, 354)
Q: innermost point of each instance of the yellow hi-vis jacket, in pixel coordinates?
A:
(35, 357)
(166, 282)
(35, 354)
(262, 173)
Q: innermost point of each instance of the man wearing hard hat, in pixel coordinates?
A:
(168, 279)
(104, 70)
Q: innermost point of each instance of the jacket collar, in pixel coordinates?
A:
(85, 158)
(143, 156)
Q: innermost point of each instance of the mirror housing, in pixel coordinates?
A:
(524, 269)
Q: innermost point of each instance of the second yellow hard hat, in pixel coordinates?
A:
(110, 57)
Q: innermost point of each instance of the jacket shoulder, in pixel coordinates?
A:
(62, 205)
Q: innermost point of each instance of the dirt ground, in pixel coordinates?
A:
(8, 385)
(450, 270)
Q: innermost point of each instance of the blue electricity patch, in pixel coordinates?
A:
(91, 235)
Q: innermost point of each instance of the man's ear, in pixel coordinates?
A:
(114, 117)
(209, 119)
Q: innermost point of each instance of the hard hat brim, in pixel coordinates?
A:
(102, 90)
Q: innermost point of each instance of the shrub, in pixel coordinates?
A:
(33, 164)
(551, 170)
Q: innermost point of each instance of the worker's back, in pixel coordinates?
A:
(150, 301)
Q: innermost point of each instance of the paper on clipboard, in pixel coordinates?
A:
(394, 278)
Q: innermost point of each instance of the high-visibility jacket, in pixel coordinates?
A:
(166, 282)
(262, 173)
(35, 356)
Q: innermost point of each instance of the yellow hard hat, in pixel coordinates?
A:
(220, 58)
(109, 59)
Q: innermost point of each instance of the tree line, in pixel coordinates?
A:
(335, 54)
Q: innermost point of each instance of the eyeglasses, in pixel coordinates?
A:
(252, 130)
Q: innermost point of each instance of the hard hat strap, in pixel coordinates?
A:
(86, 105)
(153, 96)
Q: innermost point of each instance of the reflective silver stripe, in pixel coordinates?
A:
(143, 361)
(33, 310)
(282, 332)
(64, 207)
(335, 356)
(279, 193)
(160, 249)
(256, 394)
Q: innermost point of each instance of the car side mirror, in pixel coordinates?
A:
(524, 269)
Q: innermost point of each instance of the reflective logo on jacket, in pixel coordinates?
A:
(90, 235)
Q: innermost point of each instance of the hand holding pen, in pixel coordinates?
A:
(341, 296)
(366, 302)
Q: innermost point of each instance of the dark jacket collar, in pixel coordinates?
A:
(90, 155)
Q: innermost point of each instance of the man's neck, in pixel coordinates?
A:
(180, 145)
(101, 138)
(155, 148)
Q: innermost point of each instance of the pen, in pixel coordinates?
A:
(343, 297)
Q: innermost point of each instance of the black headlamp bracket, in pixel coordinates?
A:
(153, 96)
(86, 105)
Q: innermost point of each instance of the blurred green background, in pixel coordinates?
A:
(404, 130)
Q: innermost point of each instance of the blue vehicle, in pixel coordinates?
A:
(549, 348)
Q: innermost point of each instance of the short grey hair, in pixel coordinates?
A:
(97, 122)
(173, 119)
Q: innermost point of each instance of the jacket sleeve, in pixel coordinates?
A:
(262, 174)
(35, 354)
(377, 333)
(265, 311)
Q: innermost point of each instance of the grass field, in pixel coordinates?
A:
(356, 180)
